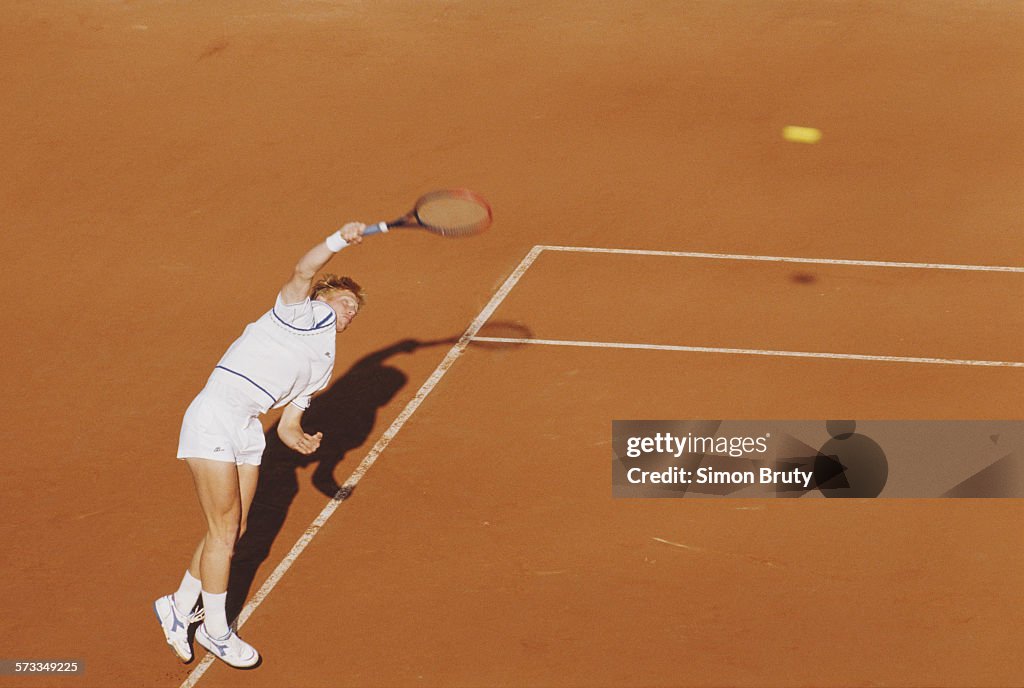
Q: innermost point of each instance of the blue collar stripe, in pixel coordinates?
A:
(318, 326)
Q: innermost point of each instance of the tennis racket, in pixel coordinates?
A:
(448, 213)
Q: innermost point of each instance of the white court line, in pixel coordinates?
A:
(754, 352)
(371, 457)
(787, 259)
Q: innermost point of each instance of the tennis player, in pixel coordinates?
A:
(280, 360)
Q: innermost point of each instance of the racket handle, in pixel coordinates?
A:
(336, 243)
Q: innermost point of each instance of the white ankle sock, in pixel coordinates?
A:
(216, 618)
(187, 594)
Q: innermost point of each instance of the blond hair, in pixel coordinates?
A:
(329, 284)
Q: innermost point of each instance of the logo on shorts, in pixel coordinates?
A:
(327, 354)
(217, 449)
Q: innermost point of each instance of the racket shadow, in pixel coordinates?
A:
(500, 335)
(494, 334)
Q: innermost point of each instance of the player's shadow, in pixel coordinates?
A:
(345, 413)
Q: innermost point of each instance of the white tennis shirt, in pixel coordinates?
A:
(286, 356)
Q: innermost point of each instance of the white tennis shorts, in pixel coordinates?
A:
(222, 424)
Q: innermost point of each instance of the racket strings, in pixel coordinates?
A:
(453, 215)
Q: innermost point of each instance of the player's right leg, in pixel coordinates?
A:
(211, 444)
(217, 486)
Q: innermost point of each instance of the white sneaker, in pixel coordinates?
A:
(230, 648)
(175, 626)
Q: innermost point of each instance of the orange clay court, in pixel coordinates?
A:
(165, 164)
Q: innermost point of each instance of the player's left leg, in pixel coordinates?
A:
(248, 477)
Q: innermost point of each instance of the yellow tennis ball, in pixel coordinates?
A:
(801, 134)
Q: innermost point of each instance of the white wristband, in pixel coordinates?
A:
(335, 243)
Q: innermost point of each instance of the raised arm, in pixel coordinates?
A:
(297, 288)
